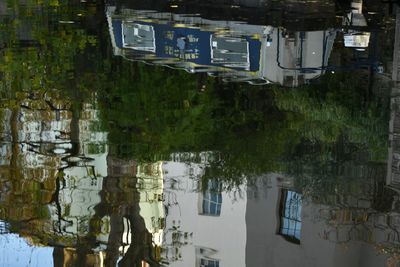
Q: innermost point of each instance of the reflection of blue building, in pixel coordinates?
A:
(236, 51)
(193, 45)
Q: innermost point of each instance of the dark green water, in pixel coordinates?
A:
(161, 133)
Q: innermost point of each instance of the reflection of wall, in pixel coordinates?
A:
(150, 187)
(297, 57)
(195, 235)
(129, 184)
(42, 141)
(34, 142)
(393, 169)
(83, 178)
(267, 248)
(272, 225)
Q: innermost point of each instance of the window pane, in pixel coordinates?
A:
(209, 263)
(290, 212)
(206, 209)
(212, 200)
(213, 208)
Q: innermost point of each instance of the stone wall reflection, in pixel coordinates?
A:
(60, 188)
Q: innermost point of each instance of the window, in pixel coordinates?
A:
(139, 37)
(212, 200)
(288, 80)
(205, 257)
(290, 215)
(230, 52)
(209, 263)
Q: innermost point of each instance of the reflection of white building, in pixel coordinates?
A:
(268, 223)
(203, 227)
(237, 51)
(150, 187)
(291, 231)
(82, 179)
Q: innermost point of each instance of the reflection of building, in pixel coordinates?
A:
(355, 18)
(55, 181)
(292, 231)
(269, 223)
(40, 133)
(205, 226)
(298, 15)
(297, 57)
(238, 51)
(55, 169)
(82, 179)
(150, 187)
(31, 154)
(393, 171)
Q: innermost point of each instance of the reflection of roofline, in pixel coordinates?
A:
(294, 16)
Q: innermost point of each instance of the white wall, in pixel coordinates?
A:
(225, 234)
(267, 248)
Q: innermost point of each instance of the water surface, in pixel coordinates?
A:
(251, 133)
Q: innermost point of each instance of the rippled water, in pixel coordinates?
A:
(191, 133)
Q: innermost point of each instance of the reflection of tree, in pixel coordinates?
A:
(250, 130)
(120, 199)
(37, 63)
(14, 168)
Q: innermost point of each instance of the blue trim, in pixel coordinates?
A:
(117, 30)
(191, 45)
(255, 53)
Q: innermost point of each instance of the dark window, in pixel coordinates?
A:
(300, 79)
(288, 80)
(290, 215)
(209, 263)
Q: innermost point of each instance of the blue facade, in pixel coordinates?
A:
(187, 44)
(194, 44)
(117, 29)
